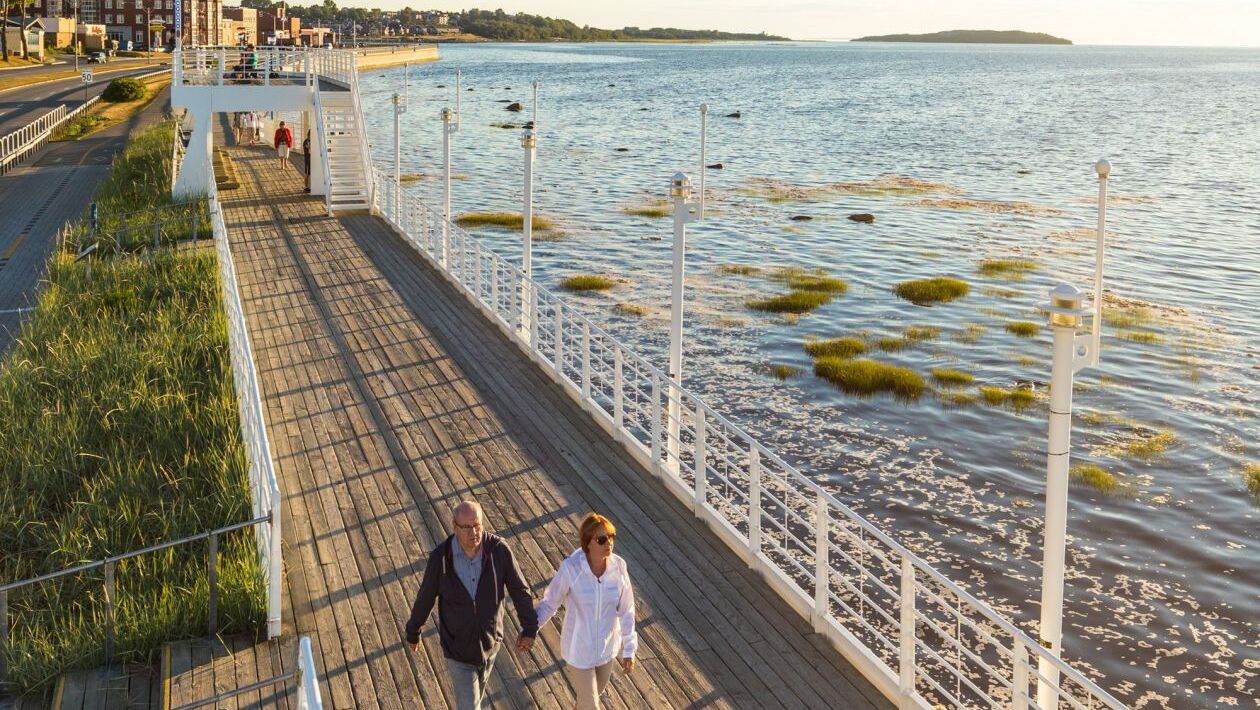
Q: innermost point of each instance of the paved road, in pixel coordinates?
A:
(21, 105)
(40, 196)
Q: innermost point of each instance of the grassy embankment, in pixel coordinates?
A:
(107, 113)
(120, 432)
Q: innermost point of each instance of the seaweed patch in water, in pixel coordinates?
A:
(836, 347)
(1146, 446)
(823, 284)
(1018, 399)
(1023, 328)
(955, 399)
(1010, 269)
(1000, 292)
(586, 282)
(948, 377)
(893, 343)
(503, 220)
(939, 289)
(783, 373)
(795, 302)
(1145, 337)
(738, 269)
(1251, 478)
(868, 377)
(1094, 475)
(631, 309)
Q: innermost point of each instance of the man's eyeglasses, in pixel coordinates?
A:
(474, 526)
(605, 539)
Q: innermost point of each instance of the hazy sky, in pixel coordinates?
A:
(1161, 22)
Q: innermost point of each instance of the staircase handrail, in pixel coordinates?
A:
(322, 135)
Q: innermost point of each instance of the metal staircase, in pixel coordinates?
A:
(345, 152)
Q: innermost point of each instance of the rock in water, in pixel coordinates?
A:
(801, 218)
(441, 86)
(733, 115)
(622, 150)
(864, 217)
(515, 106)
(715, 166)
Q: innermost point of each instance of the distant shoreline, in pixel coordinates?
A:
(970, 37)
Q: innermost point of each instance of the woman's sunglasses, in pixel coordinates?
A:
(604, 539)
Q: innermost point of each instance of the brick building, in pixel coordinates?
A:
(125, 20)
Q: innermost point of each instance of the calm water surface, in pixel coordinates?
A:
(1164, 587)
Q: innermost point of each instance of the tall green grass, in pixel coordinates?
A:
(121, 431)
(138, 184)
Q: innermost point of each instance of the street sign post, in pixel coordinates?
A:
(87, 79)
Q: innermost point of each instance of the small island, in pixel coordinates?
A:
(972, 37)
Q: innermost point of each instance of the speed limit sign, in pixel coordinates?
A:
(87, 77)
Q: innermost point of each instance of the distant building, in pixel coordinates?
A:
(276, 27)
(144, 22)
(316, 37)
(240, 25)
(58, 31)
(13, 30)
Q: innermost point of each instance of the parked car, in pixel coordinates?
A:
(97, 58)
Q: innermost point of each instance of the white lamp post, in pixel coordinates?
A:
(685, 211)
(704, 130)
(1071, 353)
(399, 110)
(529, 142)
(448, 129)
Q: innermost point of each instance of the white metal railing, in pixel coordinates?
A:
(262, 66)
(17, 144)
(308, 678)
(921, 638)
(321, 135)
(263, 485)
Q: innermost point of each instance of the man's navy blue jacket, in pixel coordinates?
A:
(471, 628)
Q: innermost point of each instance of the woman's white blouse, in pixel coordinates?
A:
(599, 614)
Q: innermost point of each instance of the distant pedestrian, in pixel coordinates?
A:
(466, 576)
(238, 122)
(594, 585)
(254, 127)
(283, 141)
(306, 159)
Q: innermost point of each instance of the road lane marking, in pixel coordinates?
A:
(13, 247)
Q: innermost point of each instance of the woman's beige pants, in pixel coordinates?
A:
(589, 684)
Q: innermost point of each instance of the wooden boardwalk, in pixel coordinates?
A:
(389, 398)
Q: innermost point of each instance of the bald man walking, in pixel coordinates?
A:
(467, 576)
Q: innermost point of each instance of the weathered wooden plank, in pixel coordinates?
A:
(389, 398)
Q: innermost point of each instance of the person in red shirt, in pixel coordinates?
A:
(283, 142)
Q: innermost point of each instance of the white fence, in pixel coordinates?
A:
(262, 66)
(15, 146)
(264, 488)
(308, 678)
(920, 638)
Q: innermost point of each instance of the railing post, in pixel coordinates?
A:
(212, 578)
(557, 352)
(1019, 675)
(494, 286)
(157, 230)
(619, 391)
(907, 635)
(586, 361)
(702, 475)
(221, 67)
(754, 506)
(822, 563)
(109, 612)
(531, 293)
(656, 423)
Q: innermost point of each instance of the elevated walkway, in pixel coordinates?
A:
(388, 399)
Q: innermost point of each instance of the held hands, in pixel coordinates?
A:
(627, 665)
(524, 644)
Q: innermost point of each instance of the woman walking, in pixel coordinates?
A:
(594, 585)
(283, 143)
